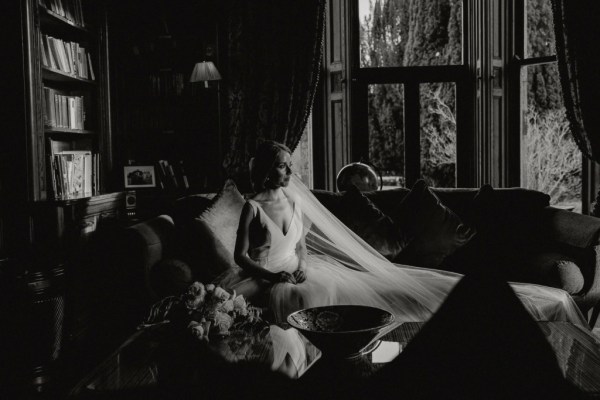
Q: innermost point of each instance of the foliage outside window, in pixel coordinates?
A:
(302, 156)
(403, 33)
(551, 161)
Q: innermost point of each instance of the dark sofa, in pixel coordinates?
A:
(519, 236)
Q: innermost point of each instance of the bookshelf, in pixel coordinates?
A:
(59, 111)
(70, 139)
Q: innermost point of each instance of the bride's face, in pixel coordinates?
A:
(281, 172)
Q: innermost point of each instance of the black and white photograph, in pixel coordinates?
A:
(300, 199)
(139, 176)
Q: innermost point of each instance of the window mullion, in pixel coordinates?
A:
(412, 133)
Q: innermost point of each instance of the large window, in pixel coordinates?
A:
(410, 67)
(550, 159)
(302, 157)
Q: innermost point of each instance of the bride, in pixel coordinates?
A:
(291, 248)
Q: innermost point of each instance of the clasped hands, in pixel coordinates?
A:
(298, 276)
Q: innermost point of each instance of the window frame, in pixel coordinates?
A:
(589, 171)
(411, 78)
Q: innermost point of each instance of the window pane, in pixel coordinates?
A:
(400, 33)
(540, 29)
(386, 132)
(551, 161)
(302, 159)
(438, 133)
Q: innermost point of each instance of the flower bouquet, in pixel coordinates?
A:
(208, 311)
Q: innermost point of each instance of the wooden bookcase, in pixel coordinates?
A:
(69, 98)
(38, 231)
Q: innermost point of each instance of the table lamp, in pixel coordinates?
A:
(205, 71)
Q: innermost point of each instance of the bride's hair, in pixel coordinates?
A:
(262, 163)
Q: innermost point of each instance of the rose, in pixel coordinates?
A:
(195, 296)
(222, 322)
(226, 306)
(210, 287)
(197, 329)
(240, 306)
(221, 294)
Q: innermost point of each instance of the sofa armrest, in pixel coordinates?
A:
(571, 228)
(144, 245)
(582, 234)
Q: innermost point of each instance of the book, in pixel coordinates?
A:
(52, 52)
(91, 67)
(44, 53)
(184, 178)
(72, 172)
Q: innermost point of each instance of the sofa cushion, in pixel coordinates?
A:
(359, 214)
(427, 230)
(217, 228)
(556, 270)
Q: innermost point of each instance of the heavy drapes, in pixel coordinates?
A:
(274, 58)
(577, 31)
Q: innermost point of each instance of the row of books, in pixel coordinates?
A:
(172, 176)
(166, 83)
(69, 9)
(63, 111)
(75, 174)
(68, 57)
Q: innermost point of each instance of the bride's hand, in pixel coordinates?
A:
(300, 275)
(282, 277)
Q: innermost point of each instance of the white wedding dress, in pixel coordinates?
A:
(343, 269)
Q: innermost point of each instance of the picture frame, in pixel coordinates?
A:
(139, 176)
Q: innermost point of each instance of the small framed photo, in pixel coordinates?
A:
(139, 176)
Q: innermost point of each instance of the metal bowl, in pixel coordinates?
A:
(342, 330)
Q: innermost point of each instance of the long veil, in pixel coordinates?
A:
(410, 293)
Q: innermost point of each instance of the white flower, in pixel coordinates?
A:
(210, 287)
(197, 329)
(223, 322)
(195, 296)
(240, 306)
(226, 306)
(195, 288)
(221, 293)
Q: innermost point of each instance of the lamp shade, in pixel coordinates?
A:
(205, 71)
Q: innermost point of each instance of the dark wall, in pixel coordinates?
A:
(157, 113)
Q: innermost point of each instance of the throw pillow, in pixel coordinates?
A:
(218, 225)
(557, 270)
(427, 230)
(359, 214)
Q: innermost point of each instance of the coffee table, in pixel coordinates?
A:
(135, 364)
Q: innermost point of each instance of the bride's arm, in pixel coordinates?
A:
(242, 245)
(300, 273)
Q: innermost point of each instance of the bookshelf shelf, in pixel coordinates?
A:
(67, 131)
(54, 75)
(50, 18)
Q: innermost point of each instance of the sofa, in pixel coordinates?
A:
(512, 233)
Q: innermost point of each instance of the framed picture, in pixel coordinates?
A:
(139, 176)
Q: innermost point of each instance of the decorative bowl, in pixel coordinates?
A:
(342, 330)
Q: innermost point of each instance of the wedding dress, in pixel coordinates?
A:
(343, 269)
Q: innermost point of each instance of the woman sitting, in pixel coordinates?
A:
(292, 248)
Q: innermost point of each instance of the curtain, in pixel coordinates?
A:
(274, 61)
(577, 31)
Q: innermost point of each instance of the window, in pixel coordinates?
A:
(410, 72)
(302, 157)
(550, 159)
